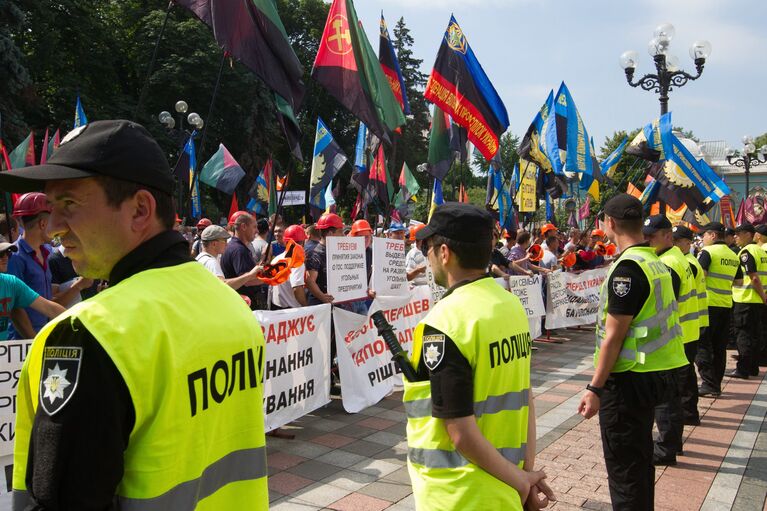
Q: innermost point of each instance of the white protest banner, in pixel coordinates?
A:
(530, 294)
(365, 362)
(573, 298)
(12, 355)
(294, 198)
(297, 367)
(389, 275)
(437, 291)
(347, 274)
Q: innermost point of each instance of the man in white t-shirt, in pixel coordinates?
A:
(214, 238)
(549, 260)
(415, 261)
(291, 293)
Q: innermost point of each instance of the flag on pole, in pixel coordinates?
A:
(24, 154)
(653, 142)
(233, 207)
(347, 67)
(379, 185)
(539, 144)
(440, 154)
(610, 164)
(327, 161)
(460, 87)
(330, 200)
(436, 197)
(80, 118)
(572, 137)
(585, 210)
(390, 65)
(222, 171)
(462, 195)
(408, 189)
(189, 150)
(728, 217)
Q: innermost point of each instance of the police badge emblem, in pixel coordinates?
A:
(433, 350)
(621, 286)
(61, 368)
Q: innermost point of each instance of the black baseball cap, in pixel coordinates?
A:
(717, 227)
(745, 227)
(681, 231)
(459, 222)
(761, 229)
(119, 149)
(730, 232)
(624, 207)
(655, 223)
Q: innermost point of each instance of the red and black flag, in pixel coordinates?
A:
(460, 87)
(379, 185)
(252, 32)
(347, 67)
(390, 65)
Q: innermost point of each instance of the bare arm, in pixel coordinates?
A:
(300, 293)
(416, 271)
(472, 444)
(21, 323)
(249, 279)
(311, 283)
(530, 447)
(47, 307)
(65, 297)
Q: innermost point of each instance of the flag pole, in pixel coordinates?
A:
(5, 194)
(152, 62)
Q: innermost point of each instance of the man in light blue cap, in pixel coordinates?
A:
(396, 231)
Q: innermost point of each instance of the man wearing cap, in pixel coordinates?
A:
(688, 380)
(749, 299)
(396, 231)
(723, 272)
(669, 415)
(638, 347)
(328, 225)
(470, 401)
(120, 403)
(729, 239)
(15, 295)
(214, 241)
(237, 260)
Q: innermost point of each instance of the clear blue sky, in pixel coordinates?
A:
(528, 47)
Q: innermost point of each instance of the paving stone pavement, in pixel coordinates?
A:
(357, 462)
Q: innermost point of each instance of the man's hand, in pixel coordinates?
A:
(540, 496)
(589, 405)
(533, 479)
(82, 283)
(325, 298)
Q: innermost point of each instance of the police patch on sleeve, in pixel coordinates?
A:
(621, 286)
(61, 368)
(433, 350)
(744, 258)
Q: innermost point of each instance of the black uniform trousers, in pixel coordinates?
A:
(712, 349)
(670, 420)
(762, 355)
(688, 385)
(747, 322)
(625, 420)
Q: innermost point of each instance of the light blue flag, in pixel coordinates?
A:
(505, 209)
(610, 164)
(80, 118)
(330, 201)
(360, 156)
(683, 169)
(189, 149)
(549, 208)
(514, 183)
(575, 149)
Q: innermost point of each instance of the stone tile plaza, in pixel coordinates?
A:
(357, 462)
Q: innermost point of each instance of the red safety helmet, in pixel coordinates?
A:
(329, 221)
(295, 233)
(360, 228)
(236, 215)
(31, 204)
(203, 223)
(598, 232)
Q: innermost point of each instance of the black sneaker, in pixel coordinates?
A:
(738, 374)
(708, 392)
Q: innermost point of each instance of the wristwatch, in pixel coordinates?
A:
(596, 390)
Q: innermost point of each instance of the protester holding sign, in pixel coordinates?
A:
(328, 225)
(473, 399)
(121, 404)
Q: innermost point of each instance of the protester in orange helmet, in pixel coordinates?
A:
(291, 293)
(328, 225)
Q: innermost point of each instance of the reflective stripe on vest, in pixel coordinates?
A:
(510, 401)
(687, 300)
(658, 324)
(746, 293)
(720, 274)
(441, 458)
(235, 466)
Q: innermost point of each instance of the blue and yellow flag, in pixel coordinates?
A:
(436, 197)
(538, 146)
(328, 160)
(572, 137)
(189, 149)
(654, 142)
(80, 118)
(610, 164)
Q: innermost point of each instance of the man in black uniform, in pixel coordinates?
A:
(623, 391)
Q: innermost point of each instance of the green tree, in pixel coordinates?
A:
(13, 70)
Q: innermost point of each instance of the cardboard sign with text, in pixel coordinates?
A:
(573, 299)
(347, 274)
(12, 355)
(389, 274)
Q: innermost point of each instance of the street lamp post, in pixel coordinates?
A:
(667, 73)
(180, 135)
(749, 157)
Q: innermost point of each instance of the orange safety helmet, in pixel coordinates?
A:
(328, 221)
(361, 228)
(31, 204)
(569, 260)
(611, 249)
(279, 272)
(548, 227)
(536, 253)
(203, 223)
(295, 233)
(598, 232)
(414, 230)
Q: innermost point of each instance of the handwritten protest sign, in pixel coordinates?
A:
(573, 298)
(389, 275)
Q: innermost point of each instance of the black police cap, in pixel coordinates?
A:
(656, 223)
(716, 227)
(118, 149)
(761, 229)
(459, 222)
(730, 232)
(624, 207)
(683, 232)
(745, 227)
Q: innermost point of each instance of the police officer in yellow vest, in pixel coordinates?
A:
(688, 380)
(471, 420)
(120, 404)
(749, 298)
(639, 345)
(668, 415)
(760, 238)
(722, 271)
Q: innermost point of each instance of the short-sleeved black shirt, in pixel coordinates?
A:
(316, 261)
(628, 288)
(676, 280)
(747, 262)
(704, 258)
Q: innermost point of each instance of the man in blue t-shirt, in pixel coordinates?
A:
(15, 295)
